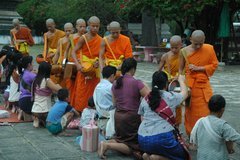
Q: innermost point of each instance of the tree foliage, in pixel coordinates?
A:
(35, 12)
(203, 14)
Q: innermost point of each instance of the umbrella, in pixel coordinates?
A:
(224, 25)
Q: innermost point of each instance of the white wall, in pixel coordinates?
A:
(5, 39)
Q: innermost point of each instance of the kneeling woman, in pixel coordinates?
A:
(42, 91)
(25, 67)
(156, 135)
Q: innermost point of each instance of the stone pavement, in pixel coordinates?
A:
(23, 142)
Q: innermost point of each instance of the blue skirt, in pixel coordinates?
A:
(164, 144)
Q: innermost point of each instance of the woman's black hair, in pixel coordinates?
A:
(44, 71)
(23, 63)
(159, 82)
(216, 103)
(128, 64)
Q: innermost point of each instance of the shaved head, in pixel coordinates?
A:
(114, 25)
(50, 21)
(198, 34)
(15, 21)
(175, 44)
(93, 24)
(68, 28)
(80, 21)
(50, 25)
(197, 39)
(176, 39)
(94, 19)
(68, 25)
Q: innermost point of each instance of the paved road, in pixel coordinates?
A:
(23, 142)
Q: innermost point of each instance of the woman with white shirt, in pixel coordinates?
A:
(156, 135)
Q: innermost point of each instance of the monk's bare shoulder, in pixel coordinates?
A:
(164, 56)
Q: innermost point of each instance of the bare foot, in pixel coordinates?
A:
(101, 150)
(20, 115)
(146, 156)
(158, 157)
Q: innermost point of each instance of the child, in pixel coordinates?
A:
(60, 114)
(212, 135)
(88, 113)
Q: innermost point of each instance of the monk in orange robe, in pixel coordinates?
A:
(200, 62)
(21, 37)
(115, 47)
(70, 80)
(51, 39)
(85, 83)
(60, 53)
(170, 63)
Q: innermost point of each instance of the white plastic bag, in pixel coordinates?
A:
(4, 114)
(110, 127)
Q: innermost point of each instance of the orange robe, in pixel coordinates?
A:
(121, 46)
(58, 78)
(84, 87)
(199, 84)
(71, 82)
(22, 34)
(52, 42)
(171, 67)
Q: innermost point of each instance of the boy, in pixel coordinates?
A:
(60, 114)
(212, 135)
(102, 96)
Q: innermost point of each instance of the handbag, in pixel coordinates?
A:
(87, 67)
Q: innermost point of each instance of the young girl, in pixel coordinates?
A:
(212, 135)
(42, 91)
(14, 93)
(26, 78)
(88, 113)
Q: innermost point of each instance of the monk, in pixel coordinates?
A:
(170, 64)
(81, 29)
(114, 47)
(63, 44)
(70, 73)
(59, 55)
(88, 67)
(200, 62)
(21, 37)
(51, 39)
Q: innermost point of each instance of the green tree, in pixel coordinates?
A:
(203, 14)
(35, 12)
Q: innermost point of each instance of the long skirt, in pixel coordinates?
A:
(164, 144)
(26, 104)
(126, 127)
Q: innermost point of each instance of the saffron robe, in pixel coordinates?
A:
(84, 87)
(171, 67)
(71, 82)
(23, 34)
(199, 84)
(119, 47)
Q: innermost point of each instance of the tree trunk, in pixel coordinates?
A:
(149, 35)
(180, 24)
